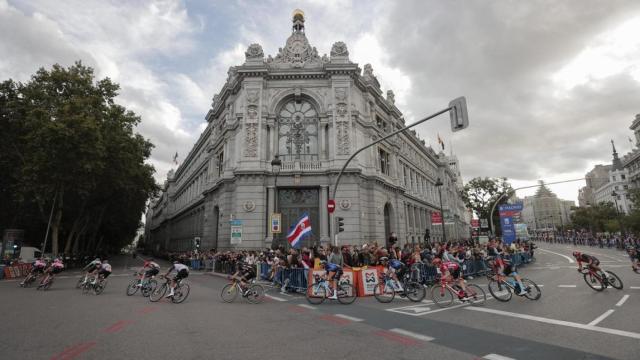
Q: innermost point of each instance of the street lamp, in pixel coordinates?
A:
(439, 184)
(615, 199)
(276, 164)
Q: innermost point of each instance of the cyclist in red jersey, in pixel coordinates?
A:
(452, 272)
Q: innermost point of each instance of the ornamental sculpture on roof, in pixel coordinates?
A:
(297, 52)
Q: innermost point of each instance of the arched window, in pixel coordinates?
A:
(298, 131)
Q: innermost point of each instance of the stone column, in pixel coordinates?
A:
(270, 209)
(324, 214)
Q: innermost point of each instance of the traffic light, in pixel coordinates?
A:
(340, 223)
(197, 242)
(427, 235)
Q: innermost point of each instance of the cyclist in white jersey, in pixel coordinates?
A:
(182, 271)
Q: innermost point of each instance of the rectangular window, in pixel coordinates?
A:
(384, 162)
(622, 177)
(220, 163)
(614, 178)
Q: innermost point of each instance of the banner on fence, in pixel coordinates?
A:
(368, 279)
(346, 278)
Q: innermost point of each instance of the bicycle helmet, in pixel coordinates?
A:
(576, 253)
(384, 259)
(323, 262)
(176, 262)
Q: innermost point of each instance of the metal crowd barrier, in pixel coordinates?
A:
(225, 267)
(292, 279)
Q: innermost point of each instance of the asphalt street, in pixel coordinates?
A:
(569, 321)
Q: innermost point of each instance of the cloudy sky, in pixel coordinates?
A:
(548, 83)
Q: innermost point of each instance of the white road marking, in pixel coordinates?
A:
(497, 357)
(567, 286)
(571, 261)
(419, 310)
(347, 317)
(599, 319)
(559, 322)
(307, 306)
(634, 287)
(412, 334)
(275, 298)
(624, 298)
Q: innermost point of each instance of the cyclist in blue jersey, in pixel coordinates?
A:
(393, 268)
(334, 272)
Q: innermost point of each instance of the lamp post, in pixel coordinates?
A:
(439, 184)
(615, 199)
(276, 164)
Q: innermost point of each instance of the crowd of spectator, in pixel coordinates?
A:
(587, 238)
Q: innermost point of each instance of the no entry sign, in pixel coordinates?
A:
(331, 206)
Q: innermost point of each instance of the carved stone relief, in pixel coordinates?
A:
(252, 113)
(341, 109)
(342, 135)
(341, 94)
(253, 96)
(251, 140)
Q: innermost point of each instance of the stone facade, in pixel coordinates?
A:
(617, 181)
(544, 211)
(313, 112)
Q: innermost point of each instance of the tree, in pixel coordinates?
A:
(74, 149)
(480, 194)
(597, 218)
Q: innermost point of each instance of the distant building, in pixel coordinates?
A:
(545, 211)
(631, 161)
(616, 189)
(595, 179)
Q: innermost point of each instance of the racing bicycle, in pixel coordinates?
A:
(146, 288)
(598, 282)
(386, 289)
(95, 283)
(444, 293)
(321, 290)
(254, 292)
(180, 293)
(503, 290)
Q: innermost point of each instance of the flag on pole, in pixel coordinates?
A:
(440, 142)
(299, 230)
(175, 158)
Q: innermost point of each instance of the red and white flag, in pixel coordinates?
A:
(299, 230)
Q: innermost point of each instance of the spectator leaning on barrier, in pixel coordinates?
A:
(336, 257)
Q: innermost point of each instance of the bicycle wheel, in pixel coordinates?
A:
(256, 294)
(316, 294)
(594, 282)
(99, 287)
(132, 288)
(148, 287)
(47, 286)
(346, 294)
(499, 290)
(414, 291)
(158, 293)
(476, 295)
(181, 293)
(229, 293)
(614, 280)
(533, 291)
(86, 287)
(384, 293)
(80, 282)
(442, 295)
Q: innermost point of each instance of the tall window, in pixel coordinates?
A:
(298, 131)
(220, 164)
(384, 161)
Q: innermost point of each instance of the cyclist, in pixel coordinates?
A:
(244, 274)
(37, 268)
(451, 271)
(591, 261)
(334, 272)
(152, 269)
(105, 270)
(504, 268)
(182, 271)
(634, 255)
(393, 268)
(90, 269)
(56, 267)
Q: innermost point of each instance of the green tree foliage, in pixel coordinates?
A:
(480, 194)
(66, 144)
(598, 218)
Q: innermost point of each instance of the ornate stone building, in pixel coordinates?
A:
(312, 112)
(544, 211)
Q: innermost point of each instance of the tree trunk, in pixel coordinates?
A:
(55, 224)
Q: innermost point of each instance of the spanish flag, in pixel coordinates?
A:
(440, 142)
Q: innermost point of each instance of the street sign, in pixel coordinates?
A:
(276, 223)
(458, 114)
(331, 206)
(236, 231)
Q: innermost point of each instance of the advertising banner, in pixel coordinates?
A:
(346, 278)
(507, 214)
(236, 231)
(436, 218)
(369, 280)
